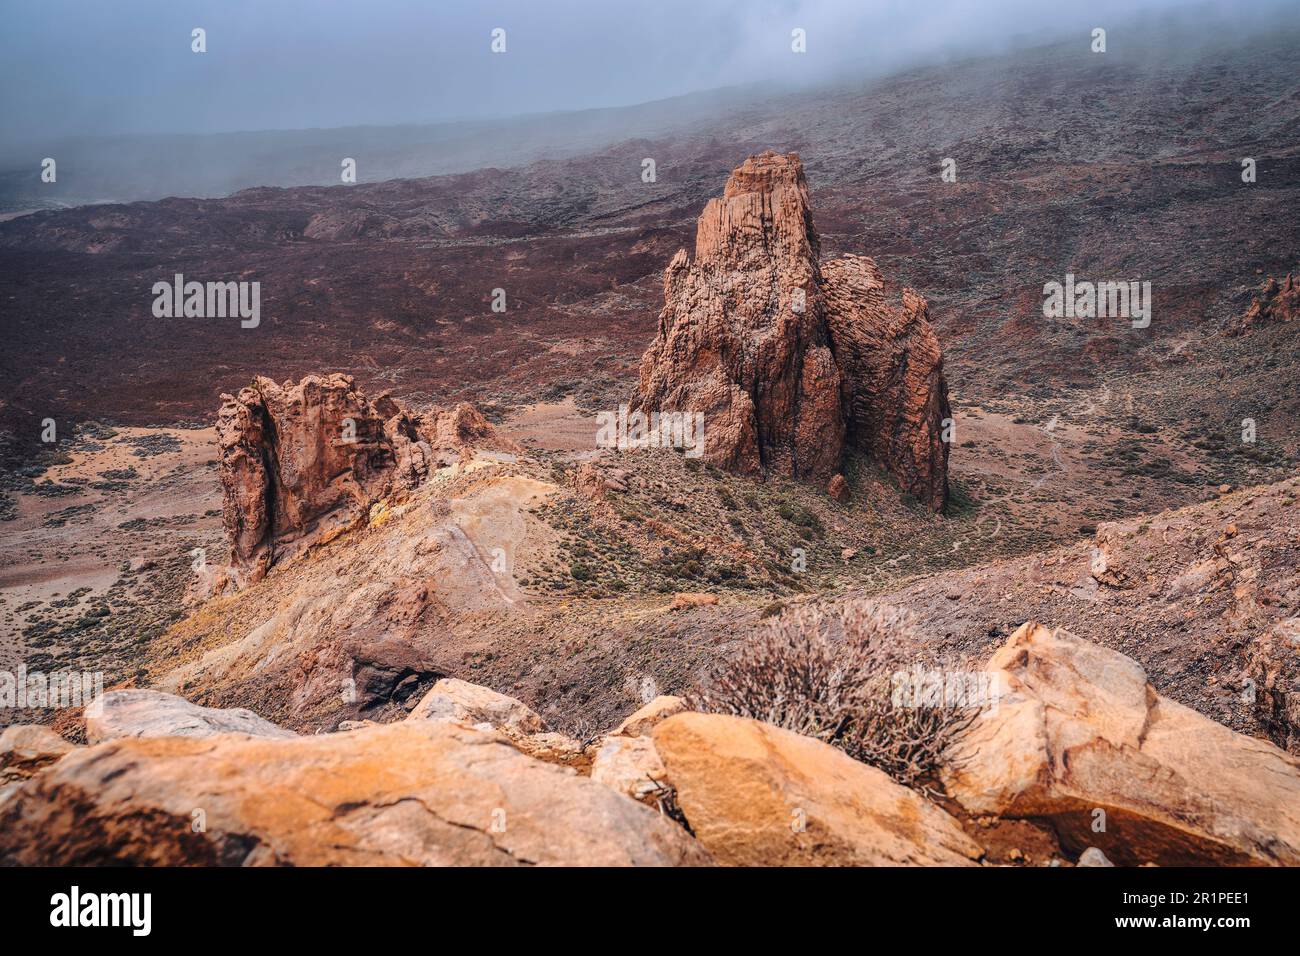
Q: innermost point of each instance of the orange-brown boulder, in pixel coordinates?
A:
(415, 793)
(758, 795)
(1080, 739)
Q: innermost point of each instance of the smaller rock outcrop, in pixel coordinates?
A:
(688, 599)
(596, 483)
(301, 463)
(644, 719)
(471, 705)
(150, 713)
(895, 395)
(1276, 302)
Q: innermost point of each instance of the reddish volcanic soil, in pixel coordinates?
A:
(1122, 166)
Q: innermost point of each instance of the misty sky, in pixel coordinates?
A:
(85, 67)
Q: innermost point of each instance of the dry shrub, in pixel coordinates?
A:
(827, 671)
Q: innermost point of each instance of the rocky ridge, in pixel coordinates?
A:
(301, 463)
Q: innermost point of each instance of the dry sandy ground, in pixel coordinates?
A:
(554, 426)
(109, 531)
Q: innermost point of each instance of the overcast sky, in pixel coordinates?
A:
(81, 67)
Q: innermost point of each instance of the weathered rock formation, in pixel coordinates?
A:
(790, 359)
(734, 341)
(302, 463)
(412, 793)
(896, 397)
(1081, 740)
(1276, 302)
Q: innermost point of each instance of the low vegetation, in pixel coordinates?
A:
(828, 672)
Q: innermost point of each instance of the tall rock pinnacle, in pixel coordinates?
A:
(735, 342)
(789, 360)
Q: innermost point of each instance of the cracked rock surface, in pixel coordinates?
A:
(412, 793)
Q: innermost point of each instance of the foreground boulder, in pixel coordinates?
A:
(463, 702)
(787, 358)
(152, 713)
(1081, 740)
(301, 463)
(413, 793)
(757, 795)
(27, 749)
(472, 705)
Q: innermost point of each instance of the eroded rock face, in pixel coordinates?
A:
(412, 793)
(789, 358)
(757, 795)
(1078, 729)
(1273, 669)
(301, 463)
(734, 341)
(1276, 302)
(896, 397)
